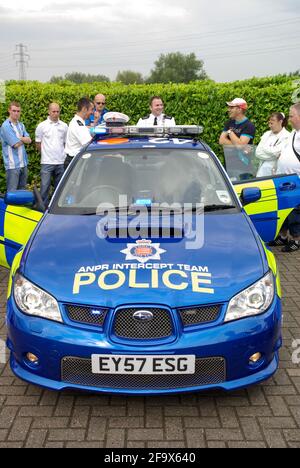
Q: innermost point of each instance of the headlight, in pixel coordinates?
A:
(253, 301)
(33, 301)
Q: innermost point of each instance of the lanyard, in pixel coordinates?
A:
(296, 152)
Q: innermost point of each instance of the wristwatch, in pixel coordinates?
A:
(228, 132)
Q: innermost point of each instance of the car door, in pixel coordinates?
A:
(17, 223)
(280, 196)
(280, 193)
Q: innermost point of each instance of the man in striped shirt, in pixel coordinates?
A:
(14, 137)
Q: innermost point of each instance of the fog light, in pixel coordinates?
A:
(255, 358)
(32, 358)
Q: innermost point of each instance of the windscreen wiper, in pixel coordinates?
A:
(209, 208)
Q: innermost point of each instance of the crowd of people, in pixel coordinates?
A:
(58, 143)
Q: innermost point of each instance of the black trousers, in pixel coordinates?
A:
(68, 160)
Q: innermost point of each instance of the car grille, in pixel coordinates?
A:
(209, 371)
(125, 326)
(199, 315)
(89, 315)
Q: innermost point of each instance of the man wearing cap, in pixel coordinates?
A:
(157, 116)
(238, 130)
(97, 117)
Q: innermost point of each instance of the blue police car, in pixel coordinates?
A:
(145, 275)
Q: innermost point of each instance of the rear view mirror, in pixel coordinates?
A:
(250, 195)
(19, 198)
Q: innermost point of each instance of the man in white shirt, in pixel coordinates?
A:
(78, 133)
(289, 163)
(50, 139)
(157, 116)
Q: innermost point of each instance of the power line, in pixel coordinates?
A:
(212, 33)
(22, 61)
(280, 48)
(207, 58)
(214, 47)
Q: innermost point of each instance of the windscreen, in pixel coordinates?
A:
(143, 177)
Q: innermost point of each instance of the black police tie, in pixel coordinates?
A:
(155, 121)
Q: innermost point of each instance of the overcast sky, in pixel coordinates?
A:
(236, 39)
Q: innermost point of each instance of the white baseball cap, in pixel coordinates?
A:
(238, 102)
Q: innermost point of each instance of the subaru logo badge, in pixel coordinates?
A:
(143, 315)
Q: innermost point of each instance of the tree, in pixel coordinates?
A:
(79, 78)
(294, 74)
(56, 79)
(130, 77)
(177, 68)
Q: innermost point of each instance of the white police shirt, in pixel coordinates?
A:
(52, 136)
(163, 120)
(78, 136)
(288, 162)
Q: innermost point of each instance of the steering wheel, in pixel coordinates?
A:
(112, 197)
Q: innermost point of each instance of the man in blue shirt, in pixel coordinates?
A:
(14, 137)
(97, 117)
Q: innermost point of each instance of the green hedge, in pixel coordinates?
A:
(197, 103)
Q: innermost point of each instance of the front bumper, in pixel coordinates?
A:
(234, 343)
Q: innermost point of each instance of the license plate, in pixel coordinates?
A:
(151, 365)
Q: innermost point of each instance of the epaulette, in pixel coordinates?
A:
(80, 123)
(146, 118)
(167, 117)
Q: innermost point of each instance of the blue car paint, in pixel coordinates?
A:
(235, 341)
(61, 245)
(221, 254)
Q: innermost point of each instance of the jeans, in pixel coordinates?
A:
(47, 172)
(16, 179)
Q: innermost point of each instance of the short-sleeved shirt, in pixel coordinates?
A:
(14, 158)
(78, 136)
(91, 120)
(243, 128)
(162, 120)
(289, 162)
(52, 136)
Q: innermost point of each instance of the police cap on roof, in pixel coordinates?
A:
(112, 119)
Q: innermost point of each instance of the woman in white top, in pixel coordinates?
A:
(271, 145)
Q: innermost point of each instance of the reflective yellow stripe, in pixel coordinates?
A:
(17, 226)
(15, 266)
(273, 265)
(25, 212)
(268, 202)
(282, 215)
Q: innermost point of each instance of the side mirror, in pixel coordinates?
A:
(250, 195)
(19, 198)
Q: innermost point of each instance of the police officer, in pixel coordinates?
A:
(157, 116)
(78, 133)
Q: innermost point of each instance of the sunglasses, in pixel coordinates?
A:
(99, 103)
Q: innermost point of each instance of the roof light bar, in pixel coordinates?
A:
(178, 130)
